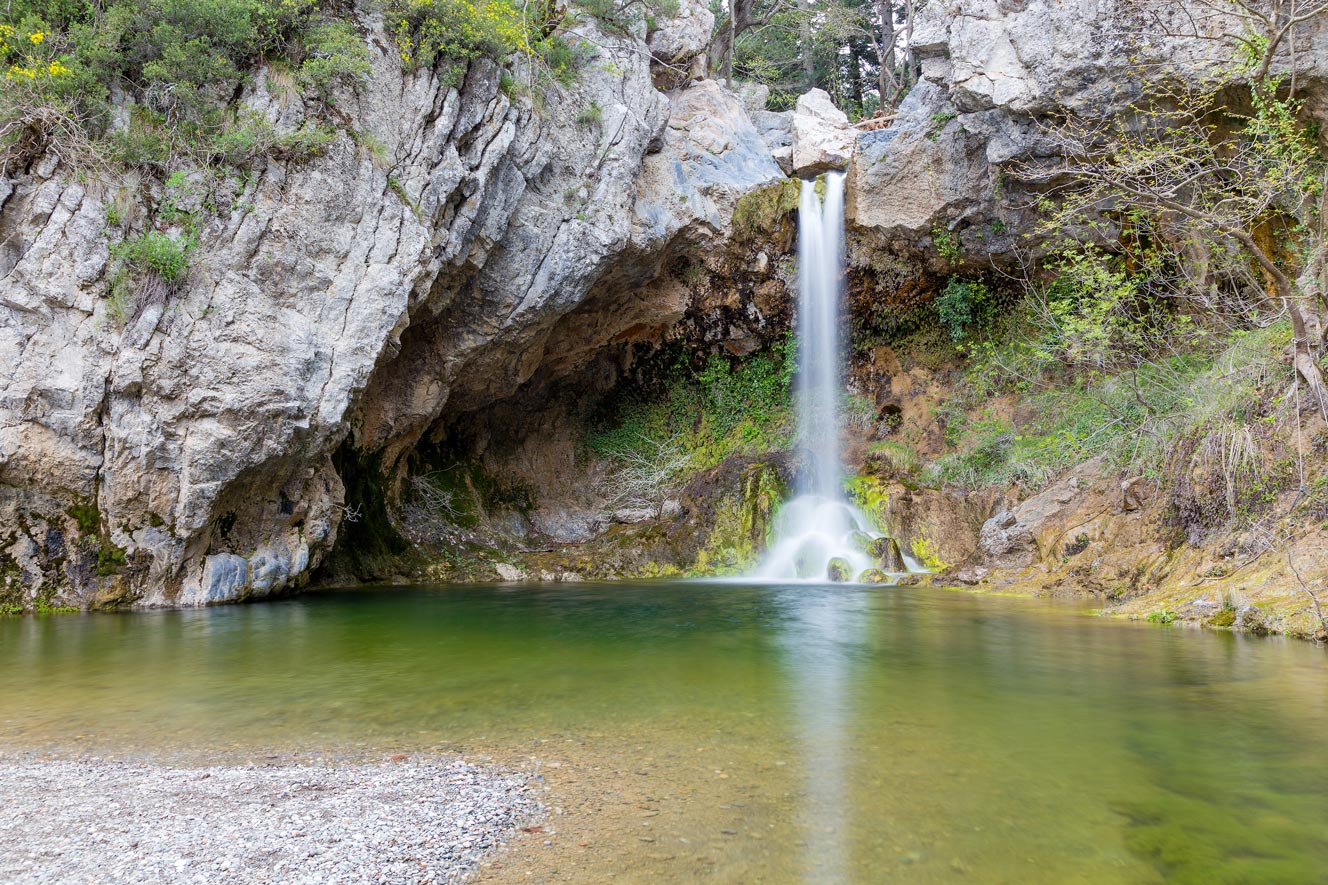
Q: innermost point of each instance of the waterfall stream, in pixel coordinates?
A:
(820, 535)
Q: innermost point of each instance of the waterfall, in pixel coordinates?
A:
(820, 535)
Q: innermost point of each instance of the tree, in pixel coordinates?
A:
(838, 45)
(1218, 173)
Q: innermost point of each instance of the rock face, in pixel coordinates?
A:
(678, 41)
(822, 138)
(994, 72)
(193, 446)
(206, 440)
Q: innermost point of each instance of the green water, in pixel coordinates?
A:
(834, 734)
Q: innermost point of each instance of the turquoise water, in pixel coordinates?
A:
(834, 733)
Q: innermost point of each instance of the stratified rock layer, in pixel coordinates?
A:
(184, 453)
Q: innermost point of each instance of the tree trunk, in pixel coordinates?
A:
(733, 43)
(855, 77)
(808, 56)
(1307, 343)
(884, 40)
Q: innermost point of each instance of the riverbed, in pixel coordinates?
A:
(775, 733)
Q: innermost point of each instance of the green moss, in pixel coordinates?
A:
(1189, 839)
(110, 559)
(1225, 618)
(87, 516)
(46, 609)
(925, 552)
(759, 213)
(870, 494)
(742, 523)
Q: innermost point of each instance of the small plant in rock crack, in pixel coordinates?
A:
(1077, 546)
(592, 115)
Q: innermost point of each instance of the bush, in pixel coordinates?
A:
(334, 54)
(960, 303)
(724, 409)
(182, 59)
(429, 30)
(159, 253)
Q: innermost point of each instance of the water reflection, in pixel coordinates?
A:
(821, 629)
(849, 734)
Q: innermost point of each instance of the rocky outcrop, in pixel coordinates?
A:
(1094, 533)
(190, 446)
(207, 439)
(822, 138)
(995, 74)
(678, 42)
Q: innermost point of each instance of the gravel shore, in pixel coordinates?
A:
(96, 821)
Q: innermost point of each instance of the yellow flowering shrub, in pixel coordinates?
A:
(28, 56)
(426, 30)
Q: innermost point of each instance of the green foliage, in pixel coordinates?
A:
(110, 559)
(180, 65)
(960, 303)
(896, 457)
(946, 243)
(721, 410)
(561, 59)
(429, 30)
(334, 54)
(591, 115)
(938, 122)
(187, 56)
(166, 256)
(1095, 314)
(1137, 415)
(797, 46)
(628, 16)
(1161, 617)
(857, 412)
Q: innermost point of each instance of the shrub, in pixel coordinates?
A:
(429, 30)
(590, 115)
(724, 409)
(335, 54)
(895, 457)
(159, 253)
(960, 303)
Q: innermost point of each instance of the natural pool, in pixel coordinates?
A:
(745, 733)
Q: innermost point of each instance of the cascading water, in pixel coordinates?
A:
(820, 535)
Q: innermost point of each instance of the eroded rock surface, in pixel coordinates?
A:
(184, 448)
(822, 138)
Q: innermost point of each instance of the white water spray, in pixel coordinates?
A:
(820, 535)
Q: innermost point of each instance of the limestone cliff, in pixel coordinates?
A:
(182, 453)
(464, 265)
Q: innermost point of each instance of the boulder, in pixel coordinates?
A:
(679, 39)
(839, 570)
(887, 553)
(1006, 542)
(822, 138)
